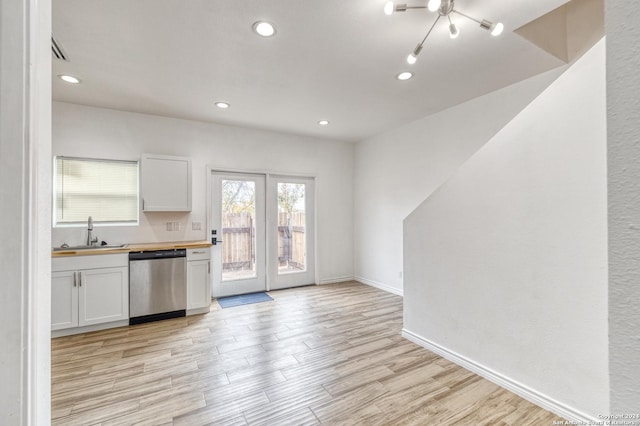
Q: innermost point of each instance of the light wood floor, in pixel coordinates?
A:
(328, 354)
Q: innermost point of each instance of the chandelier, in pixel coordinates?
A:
(444, 8)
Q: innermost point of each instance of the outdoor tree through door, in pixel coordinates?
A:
(291, 240)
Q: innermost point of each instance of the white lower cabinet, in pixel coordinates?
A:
(198, 280)
(64, 300)
(89, 290)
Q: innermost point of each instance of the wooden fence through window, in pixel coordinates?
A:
(291, 240)
(238, 246)
(237, 242)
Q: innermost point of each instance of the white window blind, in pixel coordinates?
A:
(106, 190)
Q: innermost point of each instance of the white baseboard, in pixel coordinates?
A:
(198, 311)
(336, 280)
(379, 285)
(519, 389)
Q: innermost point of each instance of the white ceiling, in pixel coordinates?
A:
(330, 59)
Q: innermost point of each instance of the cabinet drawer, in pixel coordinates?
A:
(69, 263)
(198, 254)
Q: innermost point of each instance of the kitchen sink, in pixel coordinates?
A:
(78, 248)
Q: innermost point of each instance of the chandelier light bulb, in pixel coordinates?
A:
(434, 5)
(454, 32)
(389, 7)
(497, 29)
(411, 59)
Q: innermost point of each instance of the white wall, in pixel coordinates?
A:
(25, 167)
(506, 263)
(394, 172)
(103, 133)
(623, 102)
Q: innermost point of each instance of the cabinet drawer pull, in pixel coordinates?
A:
(198, 252)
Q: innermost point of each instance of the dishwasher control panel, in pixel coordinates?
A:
(157, 254)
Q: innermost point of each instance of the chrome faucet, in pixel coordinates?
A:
(91, 240)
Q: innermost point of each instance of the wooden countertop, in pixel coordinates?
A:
(134, 247)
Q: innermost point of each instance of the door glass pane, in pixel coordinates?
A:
(292, 246)
(238, 229)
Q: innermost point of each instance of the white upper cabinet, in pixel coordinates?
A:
(165, 183)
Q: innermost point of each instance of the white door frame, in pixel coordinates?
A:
(269, 175)
(293, 279)
(242, 285)
(25, 140)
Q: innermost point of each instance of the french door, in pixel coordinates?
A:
(291, 232)
(238, 233)
(263, 230)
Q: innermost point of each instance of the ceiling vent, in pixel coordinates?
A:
(56, 49)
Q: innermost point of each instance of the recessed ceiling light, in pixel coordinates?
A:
(323, 122)
(69, 78)
(264, 28)
(406, 75)
(222, 105)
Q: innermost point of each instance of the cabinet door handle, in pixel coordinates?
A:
(143, 204)
(74, 279)
(80, 279)
(209, 267)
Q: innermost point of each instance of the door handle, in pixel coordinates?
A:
(214, 237)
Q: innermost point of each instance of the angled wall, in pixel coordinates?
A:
(394, 172)
(506, 263)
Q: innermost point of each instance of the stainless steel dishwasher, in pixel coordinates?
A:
(157, 285)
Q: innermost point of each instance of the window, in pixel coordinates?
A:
(106, 190)
(292, 247)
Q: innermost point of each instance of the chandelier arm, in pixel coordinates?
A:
(467, 16)
(429, 32)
